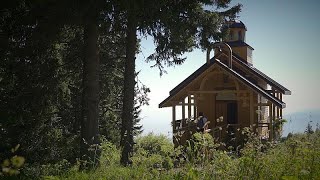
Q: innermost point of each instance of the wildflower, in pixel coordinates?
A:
(13, 172)
(6, 163)
(17, 161)
(5, 169)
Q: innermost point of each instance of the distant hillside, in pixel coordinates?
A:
(298, 121)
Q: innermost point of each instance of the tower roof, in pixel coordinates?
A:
(238, 43)
(236, 24)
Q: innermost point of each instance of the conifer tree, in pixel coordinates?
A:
(177, 27)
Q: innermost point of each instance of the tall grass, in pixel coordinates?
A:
(297, 157)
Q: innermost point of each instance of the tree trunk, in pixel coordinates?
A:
(128, 96)
(89, 150)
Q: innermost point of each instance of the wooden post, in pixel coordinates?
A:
(189, 105)
(258, 108)
(174, 118)
(281, 108)
(270, 123)
(273, 118)
(183, 112)
(277, 108)
(251, 110)
(258, 114)
(195, 106)
(213, 120)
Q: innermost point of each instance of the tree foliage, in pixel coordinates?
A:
(176, 27)
(67, 69)
(41, 81)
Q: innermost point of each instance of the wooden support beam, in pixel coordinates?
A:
(186, 104)
(273, 113)
(183, 113)
(221, 91)
(189, 105)
(259, 108)
(213, 122)
(278, 109)
(174, 117)
(270, 123)
(281, 108)
(261, 104)
(251, 110)
(195, 114)
(273, 118)
(271, 91)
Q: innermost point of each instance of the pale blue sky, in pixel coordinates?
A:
(285, 35)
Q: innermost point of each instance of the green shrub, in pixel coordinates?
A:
(110, 154)
(200, 149)
(153, 151)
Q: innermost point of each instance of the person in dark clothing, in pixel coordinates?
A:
(201, 121)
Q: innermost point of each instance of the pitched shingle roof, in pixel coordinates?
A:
(244, 80)
(261, 75)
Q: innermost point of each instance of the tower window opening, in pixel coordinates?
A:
(231, 35)
(240, 35)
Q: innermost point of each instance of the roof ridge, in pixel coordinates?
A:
(283, 89)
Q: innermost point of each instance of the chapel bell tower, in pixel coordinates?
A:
(237, 40)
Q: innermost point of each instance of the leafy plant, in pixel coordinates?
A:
(12, 166)
(297, 157)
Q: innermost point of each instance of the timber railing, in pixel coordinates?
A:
(184, 125)
(225, 130)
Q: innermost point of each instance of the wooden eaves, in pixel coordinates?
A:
(214, 61)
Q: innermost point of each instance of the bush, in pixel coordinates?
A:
(153, 151)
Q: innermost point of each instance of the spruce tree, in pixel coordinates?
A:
(177, 27)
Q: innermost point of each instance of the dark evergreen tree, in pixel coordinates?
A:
(41, 78)
(67, 69)
(90, 139)
(177, 27)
